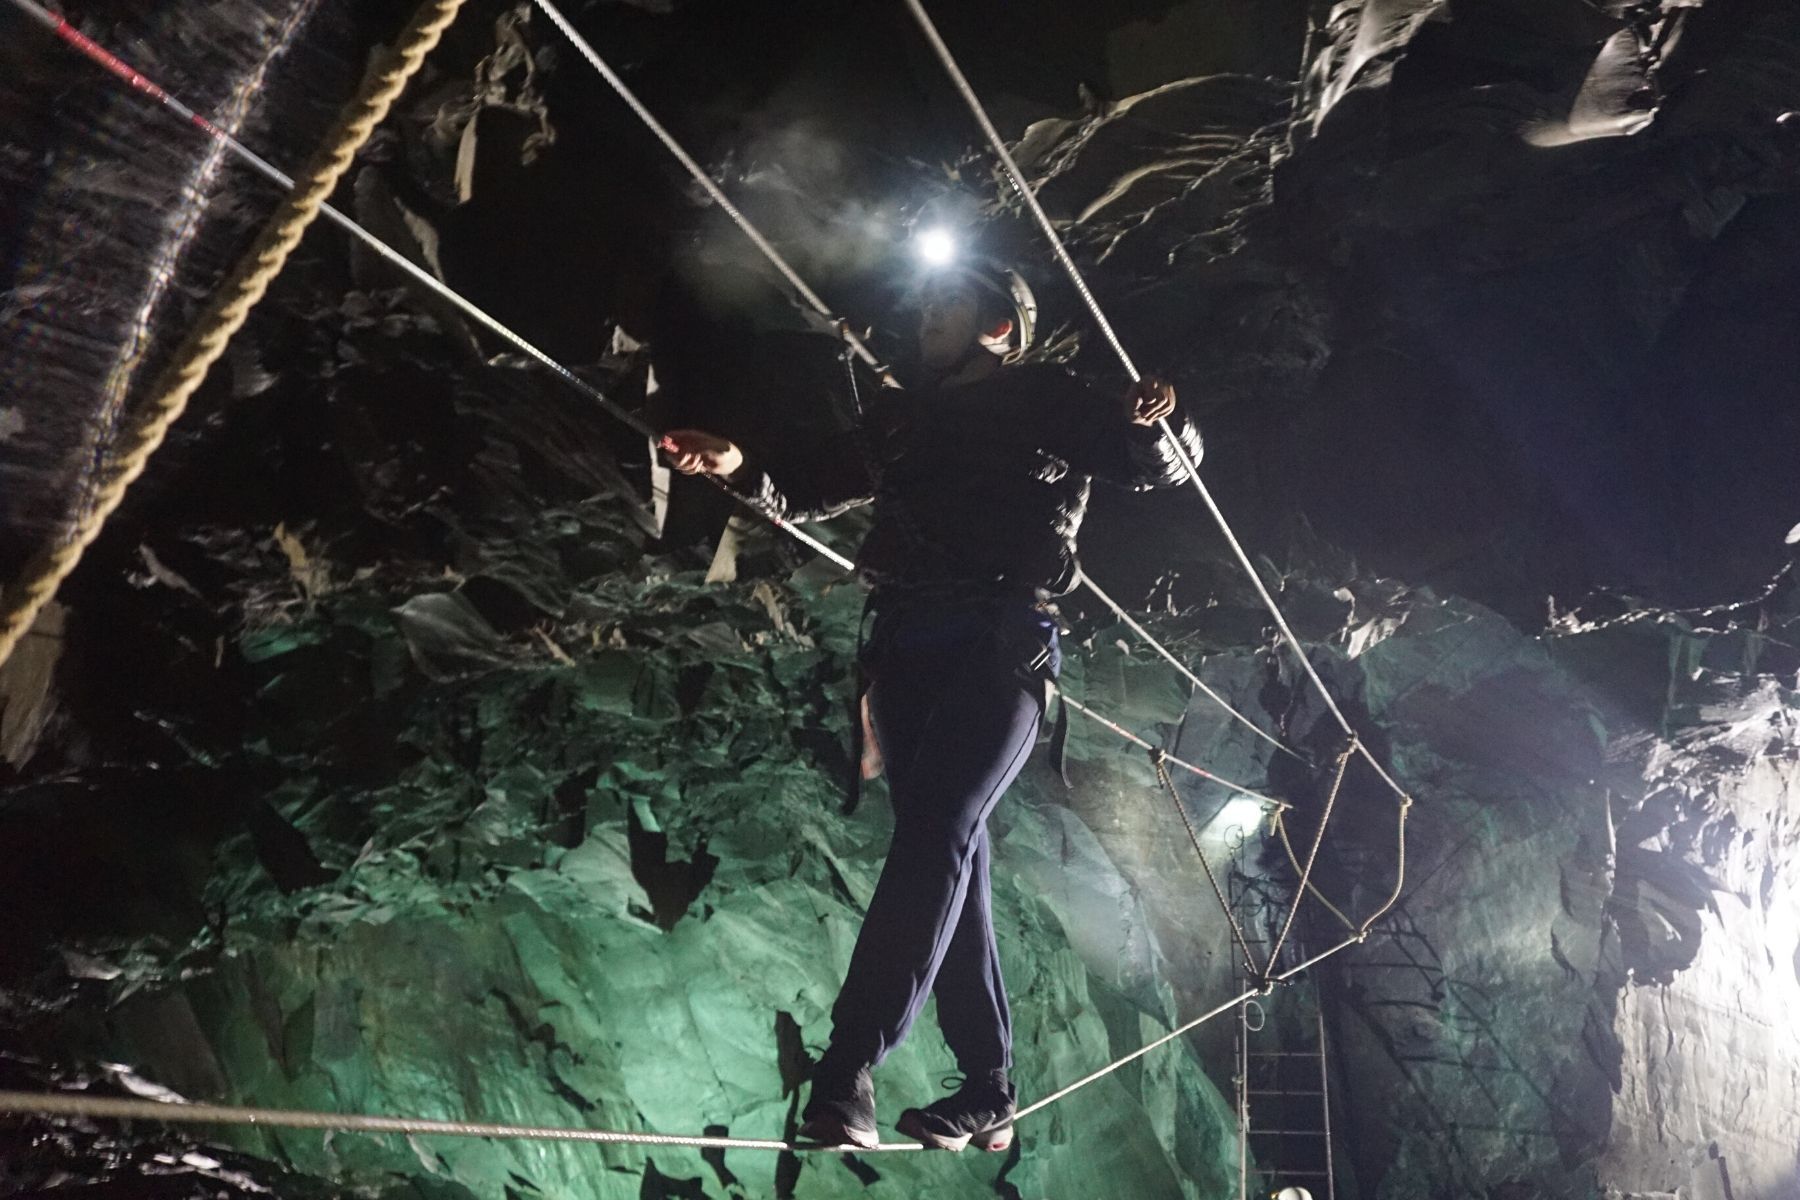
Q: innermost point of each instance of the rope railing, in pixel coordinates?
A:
(707, 183)
(1144, 744)
(1159, 762)
(431, 283)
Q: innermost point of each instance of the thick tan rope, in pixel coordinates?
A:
(229, 309)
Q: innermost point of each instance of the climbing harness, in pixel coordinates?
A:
(247, 285)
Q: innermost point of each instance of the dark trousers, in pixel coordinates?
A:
(956, 713)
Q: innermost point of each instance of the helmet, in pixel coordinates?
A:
(1003, 291)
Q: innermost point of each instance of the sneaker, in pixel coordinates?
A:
(979, 1114)
(841, 1109)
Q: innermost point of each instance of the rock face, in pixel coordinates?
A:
(1593, 900)
(399, 752)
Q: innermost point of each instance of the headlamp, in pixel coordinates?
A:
(936, 247)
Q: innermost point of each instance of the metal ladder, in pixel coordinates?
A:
(1282, 1079)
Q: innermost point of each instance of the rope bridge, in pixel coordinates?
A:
(231, 306)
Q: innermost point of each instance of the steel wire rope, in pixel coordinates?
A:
(1157, 761)
(1312, 855)
(712, 189)
(1017, 177)
(1132, 624)
(1144, 744)
(824, 311)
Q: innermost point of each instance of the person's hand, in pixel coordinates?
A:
(694, 452)
(1150, 400)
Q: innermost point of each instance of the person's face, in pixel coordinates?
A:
(949, 322)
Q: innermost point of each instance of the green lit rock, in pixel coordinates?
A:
(619, 892)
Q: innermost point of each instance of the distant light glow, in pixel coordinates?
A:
(936, 247)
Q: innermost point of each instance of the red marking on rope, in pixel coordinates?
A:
(107, 59)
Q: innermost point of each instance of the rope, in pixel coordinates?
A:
(1203, 1018)
(1131, 624)
(1312, 855)
(1192, 469)
(63, 1104)
(1139, 742)
(74, 1105)
(1157, 757)
(22, 601)
(1018, 178)
(1294, 860)
(712, 189)
(229, 308)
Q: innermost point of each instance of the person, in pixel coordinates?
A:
(979, 473)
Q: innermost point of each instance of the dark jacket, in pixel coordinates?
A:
(982, 485)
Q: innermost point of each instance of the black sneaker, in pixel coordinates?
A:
(841, 1109)
(979, 1114)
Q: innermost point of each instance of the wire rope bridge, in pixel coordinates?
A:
(307, 200)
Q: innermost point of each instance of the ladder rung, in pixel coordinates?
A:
(1285, 1054)
(1290, 1132)
(1279, 1171)
(1278, 1092)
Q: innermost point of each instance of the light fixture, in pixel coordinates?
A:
(936, 247)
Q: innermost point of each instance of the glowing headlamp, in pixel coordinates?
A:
(936, 247)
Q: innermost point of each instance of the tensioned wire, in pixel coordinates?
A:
(787, 271)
